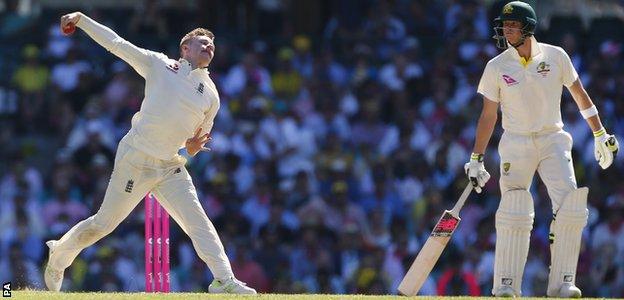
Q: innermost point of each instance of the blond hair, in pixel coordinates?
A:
(196, 32)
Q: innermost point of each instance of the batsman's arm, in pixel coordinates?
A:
(485, 125)
(138, 58)
(605, 145)
(585, 104)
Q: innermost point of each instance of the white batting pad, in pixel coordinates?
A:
(567, 227)
(514, 221)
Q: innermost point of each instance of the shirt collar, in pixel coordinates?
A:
(186, 67)
(536, 49)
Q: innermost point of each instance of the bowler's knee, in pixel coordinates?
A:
(95, 229)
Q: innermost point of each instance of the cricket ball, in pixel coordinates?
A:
(69, 28)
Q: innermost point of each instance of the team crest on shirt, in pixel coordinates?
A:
(509, 80)
(543, 68)
(506, 167)
(174, 67)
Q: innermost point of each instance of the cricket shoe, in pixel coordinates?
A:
(505, 291)
(229, 286)
(53, 277)
(568, 290)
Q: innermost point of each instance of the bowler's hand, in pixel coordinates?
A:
(68, 22)
(197, 142)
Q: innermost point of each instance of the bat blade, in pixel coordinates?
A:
(429, 254)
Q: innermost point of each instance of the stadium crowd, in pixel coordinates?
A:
(341, 137)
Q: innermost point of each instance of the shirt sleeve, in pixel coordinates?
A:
(488, 85)
(140, 59)
(568, 73)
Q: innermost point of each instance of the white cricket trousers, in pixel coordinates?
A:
(549, 154)
(134, 175)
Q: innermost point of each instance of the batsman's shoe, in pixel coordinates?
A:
(53, 277)
(568, 290)
(505, 291)
(229, 286)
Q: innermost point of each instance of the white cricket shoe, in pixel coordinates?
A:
(505, 291)
(229, 286)
(569, 290)
(53, 277)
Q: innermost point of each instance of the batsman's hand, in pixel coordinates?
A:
(197, 142)
(476, 171)
(605, 148)
(69, 21)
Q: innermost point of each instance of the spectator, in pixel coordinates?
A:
(248, 72)
(394, 75)
(31, 79)
(66, 75)
(286, 81)
(62, 210)
(248, 270)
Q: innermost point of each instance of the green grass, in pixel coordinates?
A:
(136, 296)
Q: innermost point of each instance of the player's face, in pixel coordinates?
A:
(201, 50)
(512, 31)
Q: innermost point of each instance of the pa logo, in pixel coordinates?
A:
(6, 289)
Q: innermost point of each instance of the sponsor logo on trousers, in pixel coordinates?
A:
(129, 186)
(506, 281)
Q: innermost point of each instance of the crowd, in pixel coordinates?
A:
(340, 140)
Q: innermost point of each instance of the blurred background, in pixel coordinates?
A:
(343, 130)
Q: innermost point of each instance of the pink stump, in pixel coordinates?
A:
(165, 252)
(149, 275)
(158, 247)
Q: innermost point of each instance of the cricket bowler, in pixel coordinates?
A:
(527, 80)
(180, 104)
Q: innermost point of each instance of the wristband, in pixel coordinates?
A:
(600, 132)
(476, 156)
(589, 112)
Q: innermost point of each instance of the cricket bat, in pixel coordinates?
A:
(435, 244)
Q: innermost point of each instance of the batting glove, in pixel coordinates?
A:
(605, 148)
(476, 171)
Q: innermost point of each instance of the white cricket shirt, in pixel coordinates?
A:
(177, 100)
(529, 93)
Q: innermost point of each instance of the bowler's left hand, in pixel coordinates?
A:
(197, 142)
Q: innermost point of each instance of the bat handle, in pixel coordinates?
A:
(462, 199)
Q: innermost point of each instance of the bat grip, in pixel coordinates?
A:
(462, 199)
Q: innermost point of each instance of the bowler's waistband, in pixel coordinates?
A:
(177, 159)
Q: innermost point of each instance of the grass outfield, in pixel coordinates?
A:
(135, 296)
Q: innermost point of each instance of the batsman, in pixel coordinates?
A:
(527, 80)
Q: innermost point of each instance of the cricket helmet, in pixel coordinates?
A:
(515, 11)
